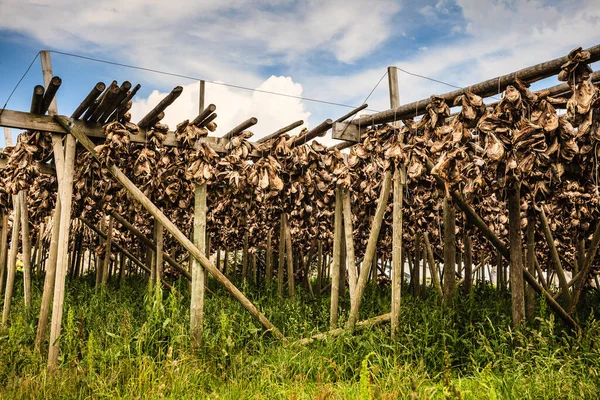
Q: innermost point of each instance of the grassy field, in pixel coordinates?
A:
(125, 343)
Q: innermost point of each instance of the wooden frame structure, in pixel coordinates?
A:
(106, 104)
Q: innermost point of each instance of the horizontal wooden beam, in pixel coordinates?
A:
(44, 123)
(484, 89)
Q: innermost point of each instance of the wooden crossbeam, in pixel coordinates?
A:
(46, 123)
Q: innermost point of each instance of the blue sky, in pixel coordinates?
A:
(330, 50)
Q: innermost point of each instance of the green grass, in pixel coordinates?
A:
(124, 343)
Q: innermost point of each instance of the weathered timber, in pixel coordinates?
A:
(50, 93)
(368, 323)
(317, 131)
(36, 100)
(281, 131)
(337, 253)
(370, 250)
(562, 279)
(240, 128)
(89, 100)
(204, 114)
(160, 107)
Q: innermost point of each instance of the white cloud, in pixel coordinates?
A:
(234, 106)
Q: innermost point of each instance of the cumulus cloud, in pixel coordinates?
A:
(234, 106)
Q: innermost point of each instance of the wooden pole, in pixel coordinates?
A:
(159, 260)
(562, 279)
(449, 251)
(435, 275)
(319, 267)
(137, 194)
(485, 88)
(26, 249)
(12, 261)
(371, 249)
(245, 258)
(49, 279)
(397, 273)
(198, 277)
(280, 268)
(530, 264)
(417, 279)
(516, 256)
(107, 251)
(3, 250)
(468, 285)
(290, 258)
(349, 241)
(269, 260)
(335, 265)
(100, 265)
(66, 193)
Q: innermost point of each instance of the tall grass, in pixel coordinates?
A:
(132, 343)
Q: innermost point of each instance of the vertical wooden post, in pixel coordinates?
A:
(159, 260)
(254, 270)
(335, 265)
(280, 268)
(349, 241)
(530, 262)
(290, 259)
(3, 250)
(516, 255)
(500, 271)
(198, 277)
(66, 192)
(343, 266)
(245, 257)
(269, 260)
(26, 249)
(218, 263)
(107, 251)
(449, 250)
(226, 262)
(397, 262)
(417, 279)
(12, 260)
(121, 269)
(398, 183)
(99, 265)
(468, 284)
(49, 279)
(319, 267)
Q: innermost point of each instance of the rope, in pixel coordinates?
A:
(156, 71)
(18, 83)
(438, 81)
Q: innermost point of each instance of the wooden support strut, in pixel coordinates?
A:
(170, 227)
(370, 250)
